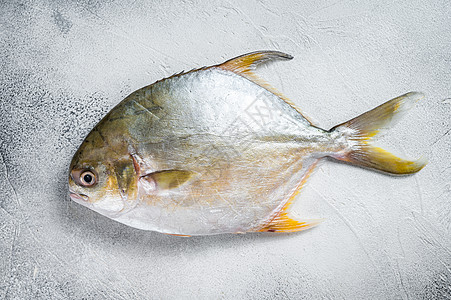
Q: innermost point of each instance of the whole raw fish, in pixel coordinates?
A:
(218, 150)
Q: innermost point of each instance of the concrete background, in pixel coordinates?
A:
(65, 64)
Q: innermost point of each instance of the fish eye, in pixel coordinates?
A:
(87, 178)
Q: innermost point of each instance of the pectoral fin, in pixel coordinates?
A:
(168, 179)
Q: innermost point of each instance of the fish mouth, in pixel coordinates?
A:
(84, 200)
(78, 197)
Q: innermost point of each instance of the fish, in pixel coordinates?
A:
(218, 150)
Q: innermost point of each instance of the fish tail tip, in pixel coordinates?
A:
(412, 167)
(382, 160)
(416, 96)
(289, 56)
(421, 162)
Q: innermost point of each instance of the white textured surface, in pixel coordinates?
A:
(64, 65)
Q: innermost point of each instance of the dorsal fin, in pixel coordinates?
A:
(244, 65)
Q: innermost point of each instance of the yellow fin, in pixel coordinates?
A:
(362, 129)
(284, 223)
(380, 159)
(176, 234)
(247, 62)
(244, 65)
(300, 186)
(169, 179)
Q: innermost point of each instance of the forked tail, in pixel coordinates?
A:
(359, 132)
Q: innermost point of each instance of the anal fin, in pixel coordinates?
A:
(176, 234)
(284, 223)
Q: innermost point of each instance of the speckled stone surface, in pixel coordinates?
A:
(65, 64)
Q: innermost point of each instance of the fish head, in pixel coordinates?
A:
(103, 180)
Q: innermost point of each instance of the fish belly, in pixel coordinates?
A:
(226, 196)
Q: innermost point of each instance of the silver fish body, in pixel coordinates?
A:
(209, 151)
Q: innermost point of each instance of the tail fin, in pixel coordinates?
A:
(360, 130)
